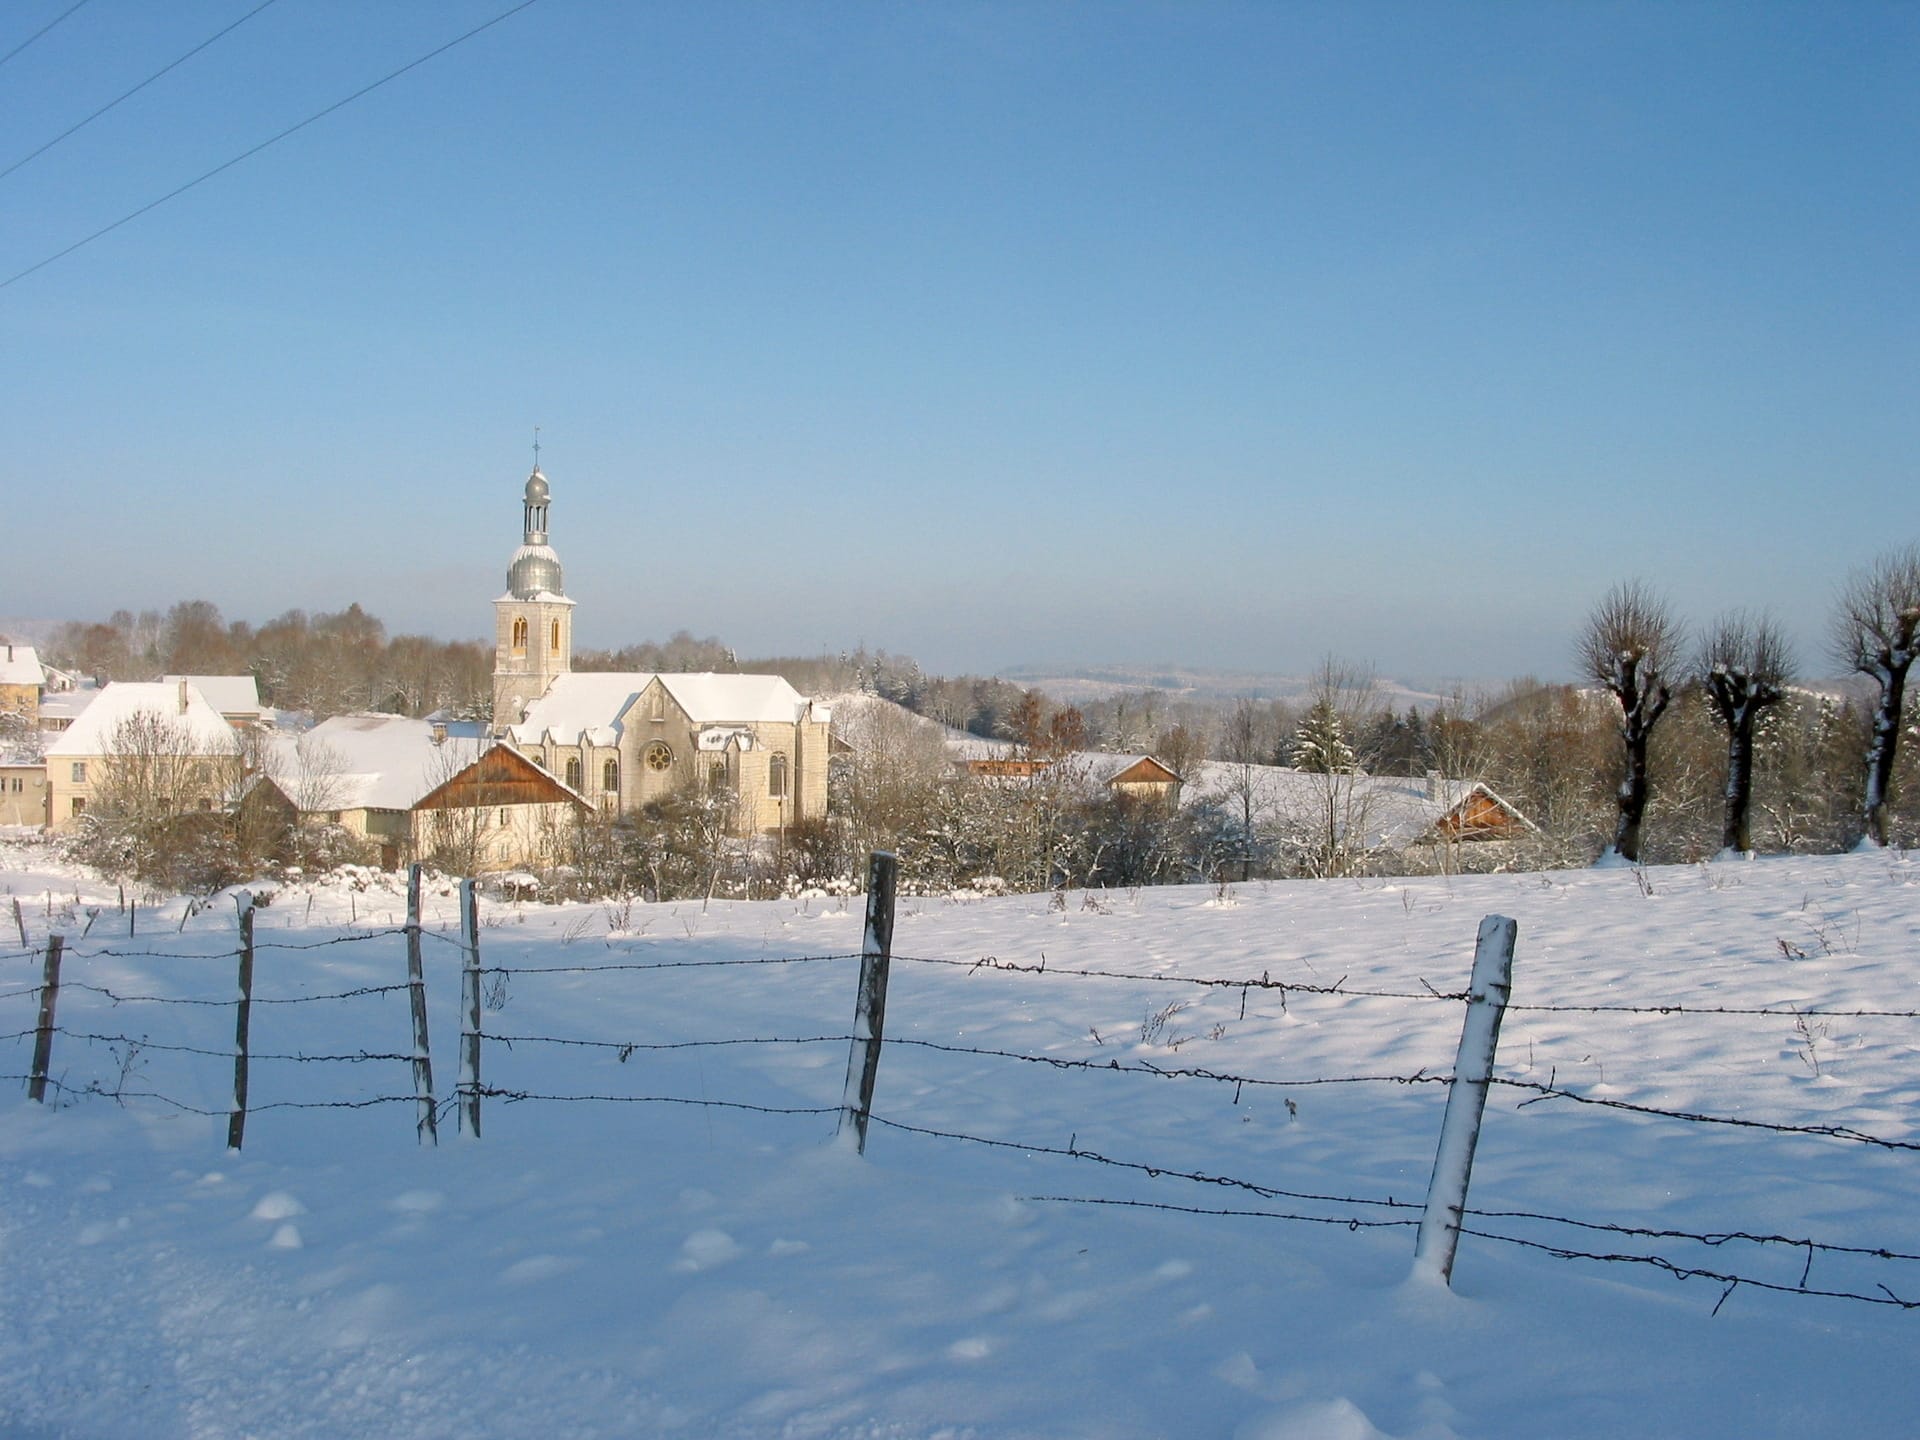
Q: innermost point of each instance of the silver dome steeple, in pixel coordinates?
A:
(535, 569)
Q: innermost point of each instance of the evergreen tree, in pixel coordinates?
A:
(1320, 744)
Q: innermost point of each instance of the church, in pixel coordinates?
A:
(625, 741)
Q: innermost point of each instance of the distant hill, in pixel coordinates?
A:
(1095, 682)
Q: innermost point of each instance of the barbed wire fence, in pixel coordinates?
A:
(1869, 1274)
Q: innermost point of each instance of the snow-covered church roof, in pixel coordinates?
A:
(596, 706)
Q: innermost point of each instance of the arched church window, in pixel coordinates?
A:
(777, 774)
(717, 775)
(520, 632)
(573, 774)
(610, 775)
(556, 635)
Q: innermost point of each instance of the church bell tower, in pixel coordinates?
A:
(533, 621)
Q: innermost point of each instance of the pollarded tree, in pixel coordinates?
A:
(1629, 647)
(1744, 665)
(1876, 631)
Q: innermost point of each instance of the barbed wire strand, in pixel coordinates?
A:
(1832, 1132)
(1074, 1151)
(514, 1097)
(1787, 1013)
(1709, 1238)
(117, 998)
(145, 1043)
(662, 965)
(1265, 982)
(191, 1109)
(1694, 1272)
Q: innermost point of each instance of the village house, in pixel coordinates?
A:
(23, 780)
(629, 740)
(21, 681)
(417, 790)
(163, 733)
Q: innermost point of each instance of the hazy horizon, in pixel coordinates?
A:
(1230, 333)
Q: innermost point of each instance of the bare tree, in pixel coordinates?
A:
(1246, 741)
(159, 807)
(312, 774)
(1876, 631)
(1629, 646)
(883, 788)
(1745, 665)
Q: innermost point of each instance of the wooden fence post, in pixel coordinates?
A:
(43, 1035)
(469, 1086)
(427, 1126)
(242, 1020)
(870, 1010)
(20, 924)
(1487, 994)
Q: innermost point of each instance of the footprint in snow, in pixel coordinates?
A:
(705, 1249)
(286, 1237)
(95, 1233)
(277, 1205)
(417, 1202)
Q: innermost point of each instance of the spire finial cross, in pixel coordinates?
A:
(536, 447)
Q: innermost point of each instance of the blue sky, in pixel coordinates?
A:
(1222, 335)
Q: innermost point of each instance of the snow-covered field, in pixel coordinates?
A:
(605, 1268)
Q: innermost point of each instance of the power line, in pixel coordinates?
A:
(41, 31)
(201, 179)
(82, 124)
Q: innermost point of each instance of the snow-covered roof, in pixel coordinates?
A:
(20, 666)
(857, 708)
(1106, 768)
(178, 703)
(1395, 810)
(596, 704)
(229, 694)
(67, 704)
(371, 762)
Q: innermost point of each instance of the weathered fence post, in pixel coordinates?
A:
(43, 1035)
(427, 1126)
(870, 1010)
(469, 1086)
(1487, 994)
(242, 1020)
(20, 924)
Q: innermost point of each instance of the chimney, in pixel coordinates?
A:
(183, 697)
(439, 733)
